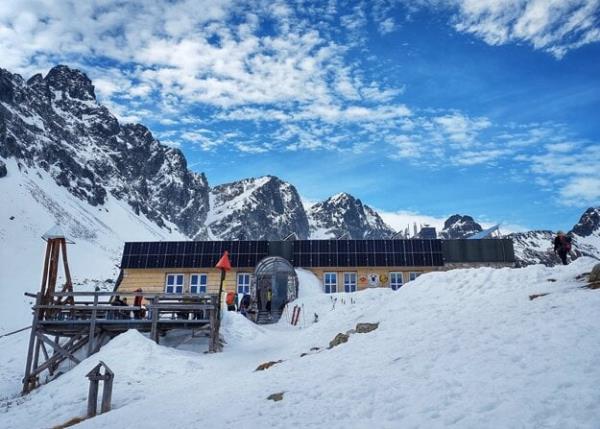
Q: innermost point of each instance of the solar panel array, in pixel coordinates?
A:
(367, 253)
(192, 254)
(306, 253)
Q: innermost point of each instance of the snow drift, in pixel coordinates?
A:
(465, 348)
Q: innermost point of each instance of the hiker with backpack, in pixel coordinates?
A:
(562, 246)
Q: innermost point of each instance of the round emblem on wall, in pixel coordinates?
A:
(373, 279)
(383, 278)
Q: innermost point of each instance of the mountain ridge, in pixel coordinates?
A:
(55, 123)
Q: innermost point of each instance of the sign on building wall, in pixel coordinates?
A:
(373, 279)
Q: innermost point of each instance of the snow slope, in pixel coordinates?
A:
(465, 348)
(36, 203)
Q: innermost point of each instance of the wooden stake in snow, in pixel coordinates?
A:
(95, 376)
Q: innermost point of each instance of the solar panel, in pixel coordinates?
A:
(306, 253)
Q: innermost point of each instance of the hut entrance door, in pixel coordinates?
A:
(275, 274)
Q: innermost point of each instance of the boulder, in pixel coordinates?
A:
(363, 328)
(339, 339)
(595, 274)
(267, 365)
(276, 396)
(3, 171)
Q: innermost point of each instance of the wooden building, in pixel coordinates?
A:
(342, 265)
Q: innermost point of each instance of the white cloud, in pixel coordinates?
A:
(555, 26)
(400, 220)
(581, 189)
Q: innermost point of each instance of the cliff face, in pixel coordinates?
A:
(56, 124)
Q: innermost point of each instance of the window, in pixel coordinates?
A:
(198, 283)
(349, 282)
(330, 282)
(243, 283)
(174, 283)
(395, 280)
(413, 275)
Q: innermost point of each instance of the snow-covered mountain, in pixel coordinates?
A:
(264, 208)
(56, 124)
(344, 215)
(459, 226)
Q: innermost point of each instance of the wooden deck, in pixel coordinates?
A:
(70, 321)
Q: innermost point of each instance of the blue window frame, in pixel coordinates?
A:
(413, 275)
(396, 281)
(174, 283)
(198, 283)
(330, 282)
(349, 282)
(243, 283)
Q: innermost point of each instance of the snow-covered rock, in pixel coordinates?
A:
(265, 208)
(459, 226)
(344, 215)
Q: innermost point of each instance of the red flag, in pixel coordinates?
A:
(224, 263)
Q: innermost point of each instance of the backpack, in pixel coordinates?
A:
(230, 298)
(566, 242)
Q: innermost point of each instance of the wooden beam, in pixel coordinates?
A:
(92, 333)
(58, 348)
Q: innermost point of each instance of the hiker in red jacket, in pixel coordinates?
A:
(562, 246)
(137, 302)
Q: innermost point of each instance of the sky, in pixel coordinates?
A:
(419, 108)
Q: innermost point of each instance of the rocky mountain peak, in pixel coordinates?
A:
(589, 223)
(460, 226)
(256, 208)
(345, 215)
(73, 82)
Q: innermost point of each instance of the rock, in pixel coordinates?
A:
(536, 295)
(267, 365)
(589, 222)
(363, 328)
(3, 171)
(276, 396)
(339, 339)
(595, 274)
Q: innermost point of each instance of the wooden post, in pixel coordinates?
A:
(92, 334)
(154, 329)
(29, 384)
(92, 397)
(95, 376)
(106, 392)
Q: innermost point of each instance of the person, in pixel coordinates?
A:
(269, 298)
(562, 246)
(244, 304)
(116, 303)
(137, 302)
(230, 301)
(125, 314)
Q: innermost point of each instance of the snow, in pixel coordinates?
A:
(36, 204)
(464, 348)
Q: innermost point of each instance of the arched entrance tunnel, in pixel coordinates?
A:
(277, 275)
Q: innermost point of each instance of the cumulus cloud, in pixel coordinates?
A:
(554, 26)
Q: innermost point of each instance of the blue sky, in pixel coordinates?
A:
(484, 107)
